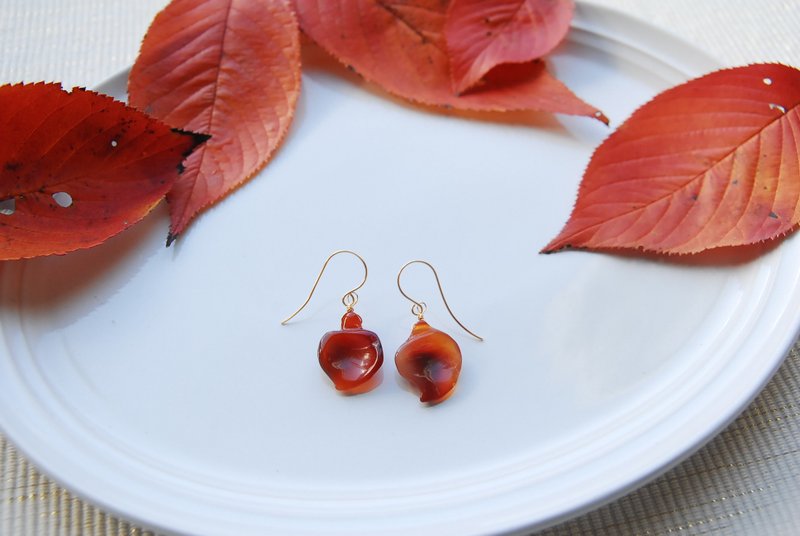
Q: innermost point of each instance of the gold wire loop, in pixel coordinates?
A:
(419, 307)
(349, 299)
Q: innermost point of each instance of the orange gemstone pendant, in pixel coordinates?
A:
(351, 357)
(430, 360)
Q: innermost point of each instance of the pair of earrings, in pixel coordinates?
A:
(429, 360)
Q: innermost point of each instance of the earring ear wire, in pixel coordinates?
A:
(419, 307)
(350, 298)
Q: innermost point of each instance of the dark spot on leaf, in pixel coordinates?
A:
(773, 215)
(198, 140)
(13, 165)
(694, 197)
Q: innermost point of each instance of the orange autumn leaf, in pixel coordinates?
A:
(78, 167)
(713, 162)
(482, 34)
(230, 68)
(400, 45)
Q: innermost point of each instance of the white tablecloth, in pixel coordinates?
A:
(746, 481)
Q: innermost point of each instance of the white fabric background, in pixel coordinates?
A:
(745, 482)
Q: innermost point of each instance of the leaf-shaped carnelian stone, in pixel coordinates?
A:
(430, 360)
(351, 357)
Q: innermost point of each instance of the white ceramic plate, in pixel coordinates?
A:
(159, 384)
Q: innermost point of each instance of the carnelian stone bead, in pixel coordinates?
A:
(351, 357)
(430, 360)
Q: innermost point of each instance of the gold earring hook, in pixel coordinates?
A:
(350, 298)
(419, 307)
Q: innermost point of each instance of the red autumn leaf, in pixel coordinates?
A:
(230, 68)
(482, 34)
(77, 168)
(713, 162)
(400, 45)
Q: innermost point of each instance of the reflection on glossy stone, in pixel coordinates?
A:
(430, 360)
(351, 357)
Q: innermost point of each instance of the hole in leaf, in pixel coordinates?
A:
(8, 206)
(767, 81)
(773, 106)
(62, 199)
(114, 143)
